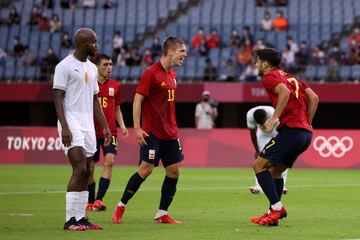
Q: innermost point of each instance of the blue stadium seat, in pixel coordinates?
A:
(344, 72)
(10, 68)
(79, 16)
(195, 16)
(355, 72)
(239, 12)
(34, 41)
(68, 17)
(3, 36)
(44, 42)
(184, 31)
(225, 54)
(163, 9)
(190, 67)
(172, 30)
(124, 72)
(129, 33)
(30, 73)
(180, 74)
(310, 72)
(322, 72)
(214, 55)
(135, 73)
(89, 18)
(100, 17)
(55, 42)
(20, 71)
(173, 4)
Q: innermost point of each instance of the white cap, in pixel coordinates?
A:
(206, 93)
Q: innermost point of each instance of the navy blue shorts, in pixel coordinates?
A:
(112, 148)
(169, 152)
(287, 146)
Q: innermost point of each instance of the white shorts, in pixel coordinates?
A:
(86, 140)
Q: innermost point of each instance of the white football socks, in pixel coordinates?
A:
(71, 200)
(160, 213)
(81, 205)
(277, 206)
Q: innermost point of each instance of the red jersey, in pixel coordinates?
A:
(109, 97)
(295, 112)
(158, 108)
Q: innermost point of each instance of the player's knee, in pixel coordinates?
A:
(145, 172)
(259, 166)
(173, 173)
(256, 166)
(108, 164)
(80, 172)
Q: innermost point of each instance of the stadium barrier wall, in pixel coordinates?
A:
(191, 92)
(202, 148)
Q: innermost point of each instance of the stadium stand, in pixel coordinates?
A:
(319, 22)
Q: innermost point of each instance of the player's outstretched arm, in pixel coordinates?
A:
(313, 101)
(66, 135)
(139, 133)
(99, 115)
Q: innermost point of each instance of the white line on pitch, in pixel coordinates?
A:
(21, 214)
(191, 189)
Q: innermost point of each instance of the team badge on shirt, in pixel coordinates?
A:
(86, 78)
(111, 91)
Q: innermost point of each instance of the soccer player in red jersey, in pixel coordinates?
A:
(158, 134)
(110, 100)
(295, 105)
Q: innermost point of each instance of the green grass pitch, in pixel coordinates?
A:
(211, 203)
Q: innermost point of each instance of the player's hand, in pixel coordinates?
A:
(269, 124)
(107, 137)
(125, 132)
(66, 136)
(139, 133)
(256, 154)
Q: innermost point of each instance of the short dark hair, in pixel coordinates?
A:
(101, 57)
(270, 55)
(170, 43)
(260, 116)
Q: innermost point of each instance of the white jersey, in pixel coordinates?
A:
(79, 81)
(203, 112)
(263, 137)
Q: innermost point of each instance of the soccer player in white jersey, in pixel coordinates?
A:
(255, 119)
(76, 102)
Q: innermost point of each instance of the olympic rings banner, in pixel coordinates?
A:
(202, 148)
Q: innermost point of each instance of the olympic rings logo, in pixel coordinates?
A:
(333, 146)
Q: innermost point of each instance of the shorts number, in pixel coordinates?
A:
(114, 141)
(272, 142)
(171, 95)
(180, 147)
(294, 80)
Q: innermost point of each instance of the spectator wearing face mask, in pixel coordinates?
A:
(206, 112)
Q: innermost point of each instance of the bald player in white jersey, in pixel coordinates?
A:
(76, 102)
(255, 118)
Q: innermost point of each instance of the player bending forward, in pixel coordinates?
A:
(295, 105)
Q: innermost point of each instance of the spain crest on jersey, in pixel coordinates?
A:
(111, 91)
